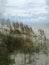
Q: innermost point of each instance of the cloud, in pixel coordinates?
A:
(47, 2)
(30, 10)
(25, 12)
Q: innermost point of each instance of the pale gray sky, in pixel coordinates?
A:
(25, 10)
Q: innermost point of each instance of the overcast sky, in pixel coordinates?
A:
(25, 10)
